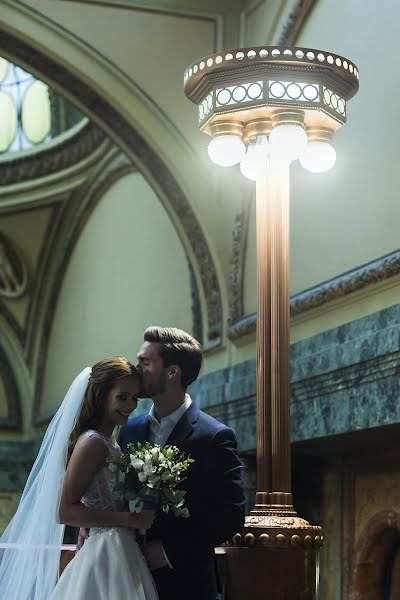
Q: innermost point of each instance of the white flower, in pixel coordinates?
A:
(148, 469)
(142, 477)
(136, 463)
(155, 451)
(148, 458)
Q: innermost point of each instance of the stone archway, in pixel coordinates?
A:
(16, 46)
(374, 553)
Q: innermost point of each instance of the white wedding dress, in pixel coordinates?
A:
(110, 566)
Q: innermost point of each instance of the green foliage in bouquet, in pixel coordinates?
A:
(149, 478)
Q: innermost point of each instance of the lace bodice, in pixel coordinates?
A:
(99, 495)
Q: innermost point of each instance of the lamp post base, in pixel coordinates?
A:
(270, 573)
(275, 557)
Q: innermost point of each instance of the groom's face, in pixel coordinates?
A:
(152, 370)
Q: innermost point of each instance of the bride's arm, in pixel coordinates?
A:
(88, 456)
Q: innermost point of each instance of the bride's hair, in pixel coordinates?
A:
(102, 379)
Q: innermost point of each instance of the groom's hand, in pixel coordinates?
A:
(82, 537)
(155, 555)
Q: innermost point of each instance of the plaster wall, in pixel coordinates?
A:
(348, 216)
(128, 271)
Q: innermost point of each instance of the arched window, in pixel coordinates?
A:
(30, 112)
(25, 112)
(376, 569)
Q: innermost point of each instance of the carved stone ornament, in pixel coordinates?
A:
(239, 239)
(295, 22)
(48, 160)
(278, 531)
(378, 270)
(13, 272)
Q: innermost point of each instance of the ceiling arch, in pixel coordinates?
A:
(61, 60)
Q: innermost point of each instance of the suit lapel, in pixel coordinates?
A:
(184, 426)
(141, 430)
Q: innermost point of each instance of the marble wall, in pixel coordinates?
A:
(16, 459)
(342, 380)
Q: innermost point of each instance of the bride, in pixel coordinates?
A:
(71, 483)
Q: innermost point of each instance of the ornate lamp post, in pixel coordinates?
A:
(265, 107)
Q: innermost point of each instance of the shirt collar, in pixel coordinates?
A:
(173, 417)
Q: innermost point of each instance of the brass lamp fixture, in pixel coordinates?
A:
(265, 107)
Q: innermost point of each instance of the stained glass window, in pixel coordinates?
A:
(25, 111)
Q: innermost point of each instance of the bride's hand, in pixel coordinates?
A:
(142, 520)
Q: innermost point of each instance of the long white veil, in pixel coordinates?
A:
(31, 545)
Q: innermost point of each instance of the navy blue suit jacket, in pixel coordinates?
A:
(215, 500)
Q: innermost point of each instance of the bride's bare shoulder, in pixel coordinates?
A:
(90, 443)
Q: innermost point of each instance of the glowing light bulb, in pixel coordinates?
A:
(255, 159)
(226, 150)
(288, 141)
(319, 156)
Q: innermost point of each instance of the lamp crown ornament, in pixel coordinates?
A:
(289, 94)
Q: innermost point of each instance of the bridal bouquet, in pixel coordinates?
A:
(149, 478)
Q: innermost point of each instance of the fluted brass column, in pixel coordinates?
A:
(276, 556)
(273, 335)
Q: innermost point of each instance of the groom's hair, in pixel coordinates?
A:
(177, 348)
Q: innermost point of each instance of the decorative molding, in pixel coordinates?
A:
(284, 531)
(49, 159)
(153, 168)
(375, 271)
(13, 419)
(244, 326)
(352, 281)
(13, 270)
(295, 22)
(239, 243)
(197, 324)
(13, 323)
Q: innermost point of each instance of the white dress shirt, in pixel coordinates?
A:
(159, 431)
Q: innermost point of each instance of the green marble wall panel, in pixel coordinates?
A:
(16, 460)
(343, 380)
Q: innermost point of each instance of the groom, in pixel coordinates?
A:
(180, 552)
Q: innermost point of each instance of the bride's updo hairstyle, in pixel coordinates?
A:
(102, 379)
